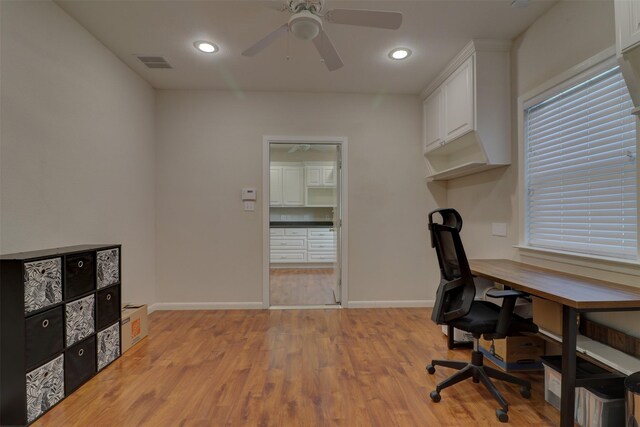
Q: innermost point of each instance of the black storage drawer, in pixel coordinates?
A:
(79, 364)
(44, 335)
(107, 307)
(80, 274)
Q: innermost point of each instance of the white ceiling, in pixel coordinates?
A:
(434, 30)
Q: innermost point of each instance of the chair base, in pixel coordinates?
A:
(480, 373)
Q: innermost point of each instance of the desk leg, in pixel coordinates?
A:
(568, 390)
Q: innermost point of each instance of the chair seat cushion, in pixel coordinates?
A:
(483, 319)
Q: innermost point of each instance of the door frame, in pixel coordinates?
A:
(334, 140)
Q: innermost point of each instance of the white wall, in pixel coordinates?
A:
(569, 33)
(210, 145)
(77, 143)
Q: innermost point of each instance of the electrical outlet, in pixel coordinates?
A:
(249, 206)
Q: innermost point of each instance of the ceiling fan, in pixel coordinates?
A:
(307, 147)
(306, 23)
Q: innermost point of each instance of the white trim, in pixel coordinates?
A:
(338, 140)
(616, 265)
(391, 304)
(205, 306)
(305, 307)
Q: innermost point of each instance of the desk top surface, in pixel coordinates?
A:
(569, 289)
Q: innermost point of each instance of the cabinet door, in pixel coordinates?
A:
(108, 345)
(79, 364)
(314, 176)
(459, 102)
(627, 23)
(80, 319)
(44, 336)
(292, 186)
(79, 275)
(275, 186)
(432, 121)
(42, 284)
(328, 176)
(108, 266)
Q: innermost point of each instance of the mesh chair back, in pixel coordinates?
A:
(457, 289)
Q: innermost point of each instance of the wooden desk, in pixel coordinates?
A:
(577, 294)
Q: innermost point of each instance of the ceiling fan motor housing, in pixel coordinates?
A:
(305, 25)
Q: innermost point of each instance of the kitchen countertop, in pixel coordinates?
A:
(300, 224)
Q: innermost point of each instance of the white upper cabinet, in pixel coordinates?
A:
(627, 24)
(320, 176)
(286, 186)
(458, 102)
(292, 186)
(433, 130)
(314, 176)
(466, 109)
(329, 176)
(275, 186)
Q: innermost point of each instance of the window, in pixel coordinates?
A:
(580, 169)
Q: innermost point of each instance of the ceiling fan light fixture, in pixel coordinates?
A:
(305, 25)
(205, 46)
(400, 53)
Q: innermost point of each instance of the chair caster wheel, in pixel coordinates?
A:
(502, 415)
(435, 396)
(431, 370)
(525, 392)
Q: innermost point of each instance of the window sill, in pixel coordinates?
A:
(624, 266)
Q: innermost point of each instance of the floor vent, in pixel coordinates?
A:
(154, 62)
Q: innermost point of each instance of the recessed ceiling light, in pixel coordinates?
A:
(205, 46)
(400, 53)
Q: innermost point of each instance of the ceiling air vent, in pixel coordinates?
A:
(154, 62)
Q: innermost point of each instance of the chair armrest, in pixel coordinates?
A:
(509, 297)
(507, 293)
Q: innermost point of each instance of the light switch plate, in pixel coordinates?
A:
(499, 229)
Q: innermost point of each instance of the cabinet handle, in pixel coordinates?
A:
(45, 323)
(108, 297)
(81, 352)
(80, 264)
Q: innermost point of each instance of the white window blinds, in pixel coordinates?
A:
(581, 170)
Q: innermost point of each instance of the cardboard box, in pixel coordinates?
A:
(517, 353)
(547, 315)
(134, 325)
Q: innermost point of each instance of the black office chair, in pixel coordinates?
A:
(456, 305)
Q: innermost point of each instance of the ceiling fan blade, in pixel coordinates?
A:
(365, 18)
(266, 41)
(327, 51)
(280, 6)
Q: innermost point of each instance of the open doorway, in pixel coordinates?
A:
(305, 222)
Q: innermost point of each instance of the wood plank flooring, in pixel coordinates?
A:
(301, 286)
(349, 367)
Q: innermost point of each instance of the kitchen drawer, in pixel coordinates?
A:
(79, 364)
(288, 256)
(108, 267)
(79, 275)
(108, 345)
(45, 387)
(276, 231)
(321, 245)
(295, 232)
(321, 233)
(321, 257)
(80, 319)
(44, 336)
(288, 243)
(107, 307)
(42, 284)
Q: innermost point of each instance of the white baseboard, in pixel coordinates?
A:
(205, 306)
(391, 304)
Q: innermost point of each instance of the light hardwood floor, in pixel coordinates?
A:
(301, 286)
(349, 367)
